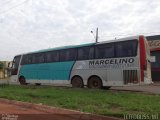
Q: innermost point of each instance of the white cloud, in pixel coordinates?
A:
(37, 24)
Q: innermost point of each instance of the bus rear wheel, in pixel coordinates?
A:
(77, 82)
(22, 81)
(95, 82)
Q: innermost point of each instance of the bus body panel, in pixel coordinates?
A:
(111, 71)
(47, 71)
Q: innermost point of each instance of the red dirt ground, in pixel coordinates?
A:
(14, 110)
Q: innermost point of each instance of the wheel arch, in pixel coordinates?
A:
(22, 82)
(76, 76)
(21, 76)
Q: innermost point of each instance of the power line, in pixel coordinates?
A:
(15, 6)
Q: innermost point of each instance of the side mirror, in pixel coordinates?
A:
(152, 58)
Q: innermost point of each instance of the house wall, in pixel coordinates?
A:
(4, 72)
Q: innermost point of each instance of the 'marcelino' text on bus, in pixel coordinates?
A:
(111, 61)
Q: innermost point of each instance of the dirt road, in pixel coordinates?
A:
(13, 110)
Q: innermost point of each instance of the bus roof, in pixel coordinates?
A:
(82, 45)
(62, 48)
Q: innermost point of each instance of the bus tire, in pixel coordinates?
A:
(22, 80)
(95, 82)
(77, 82)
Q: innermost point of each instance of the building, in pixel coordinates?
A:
(154, 43)
(3, 69)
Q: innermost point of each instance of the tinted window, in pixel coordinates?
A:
(85, 53)
(68, 55)
(38, 58)
(156, 64)
(27, 59)
(16, 61)
(126, 48)
(52, 56)
(24, 59)
(105, 51)
(15, 65)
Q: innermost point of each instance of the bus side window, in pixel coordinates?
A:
(105, 51)
(126, 48)
(29, 59)
(39, 58)
(16, 62)
(23, 60)
(52, 56)
(72, 54)
(91, 53)
(85, 53)
(68, 55)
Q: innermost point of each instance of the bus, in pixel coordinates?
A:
(154, 43)
(120, 62)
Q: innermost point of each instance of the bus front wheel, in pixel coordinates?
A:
(95, 82)
(77, 82)
(22, 81)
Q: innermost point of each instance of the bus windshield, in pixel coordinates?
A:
(15, 65)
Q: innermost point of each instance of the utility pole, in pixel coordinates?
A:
(97, 35)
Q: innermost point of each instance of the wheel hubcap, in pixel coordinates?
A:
(95, 84)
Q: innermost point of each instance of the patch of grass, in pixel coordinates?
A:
(102, 102)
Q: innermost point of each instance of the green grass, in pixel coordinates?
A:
(102, 102)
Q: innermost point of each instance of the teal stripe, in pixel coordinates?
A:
(47, 71)
(63, 47)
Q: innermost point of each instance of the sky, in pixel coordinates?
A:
(31, 25)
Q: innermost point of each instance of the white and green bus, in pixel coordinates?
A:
(111, 63)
